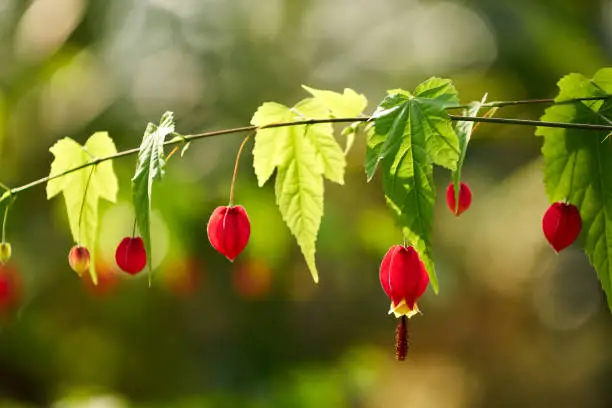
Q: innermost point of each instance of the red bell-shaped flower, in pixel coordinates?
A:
(131, 256)
(404, 279)
(465, 198)
(561, 224)
(229, 230)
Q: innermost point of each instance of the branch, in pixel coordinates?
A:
(13, 191)
(526, 122)
(501, 104)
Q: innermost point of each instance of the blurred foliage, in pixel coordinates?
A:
(513, 324)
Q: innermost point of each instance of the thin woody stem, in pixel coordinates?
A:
(244, 142)
(500, 104)
(174, 150)
(508, 121)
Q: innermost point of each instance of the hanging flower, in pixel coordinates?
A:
(404, 279)
(229, 230)
(561, 224)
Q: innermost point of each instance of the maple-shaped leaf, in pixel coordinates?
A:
(347, 104)
(302, 155)
(83, 188)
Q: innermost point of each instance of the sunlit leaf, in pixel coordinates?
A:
(271, 145)
(347, 104)
(302, 155)
(149, 167)
(321, 136)
(83, 188)
(578, 165)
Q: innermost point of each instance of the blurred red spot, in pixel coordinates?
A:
(108, 280)
(11, 289)
(252, 279)
(183, 276)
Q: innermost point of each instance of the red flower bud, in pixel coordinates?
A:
(131, 256)
(465, 198)
(78, 258)
(404, 279)
(229, 230)
(561, 225)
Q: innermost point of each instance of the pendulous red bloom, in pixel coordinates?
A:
(404, 279)
(78, 258)
(131, 256)
(465, 198)
(229, 230)
(561, 224)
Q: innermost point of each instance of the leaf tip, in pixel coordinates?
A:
(315, 277)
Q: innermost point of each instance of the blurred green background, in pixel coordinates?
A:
(514, 324)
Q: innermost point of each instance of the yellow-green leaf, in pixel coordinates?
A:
(347, 104)
(302, 155)
(321, 136)
(83, 188)
(271, 145)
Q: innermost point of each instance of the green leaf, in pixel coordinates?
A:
(149, 167)
(302, 155)
(412, 132)
(347, 104)
(401, 115)
(464, 133)
(83, 188)
(578, 165)
(440, 91)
